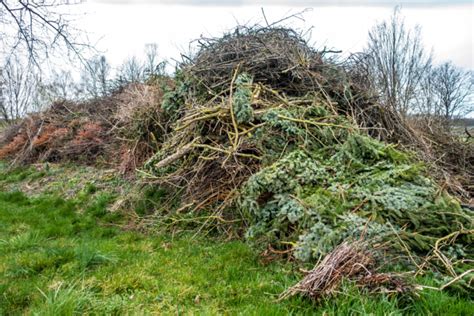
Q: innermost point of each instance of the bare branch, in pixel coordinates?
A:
(41, 27)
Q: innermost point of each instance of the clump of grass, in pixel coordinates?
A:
(65, 299)
(21, 173)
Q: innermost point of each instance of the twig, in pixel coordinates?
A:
(226, 151)
(456, 279)
(312, 122)
(404, 246)
(265, 17)
(231, 106)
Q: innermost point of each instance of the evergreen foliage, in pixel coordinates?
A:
(243, 98)
(316, 199)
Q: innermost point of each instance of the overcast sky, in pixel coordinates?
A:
(126, 26)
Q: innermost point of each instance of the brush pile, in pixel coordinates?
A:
(67, 131)
(139, 124)
(452, 157)
(263, 124)
(244, 100)
(122, 125)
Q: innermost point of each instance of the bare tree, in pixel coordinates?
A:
(452, 87)
(103, 74)
(37, 27)
(426, 103)
(152, 65)
(131, 71)
(18, 89)
(3, 103)
(59, 86)
(397, 62)
(95, 77)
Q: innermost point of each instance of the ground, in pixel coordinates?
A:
(63, 251)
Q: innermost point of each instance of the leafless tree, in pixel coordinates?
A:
(38, 27)
(59, 86)
(18, 89)
(452, 88)
(426, 103)
(152, 65)
(397, 62)
(131, 71)
(95, 78)
(103, 75)
(3, 105)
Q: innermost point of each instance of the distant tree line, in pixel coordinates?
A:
(24, 89)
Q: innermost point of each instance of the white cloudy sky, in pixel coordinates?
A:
(126, 26)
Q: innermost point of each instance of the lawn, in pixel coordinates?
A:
(70, 256)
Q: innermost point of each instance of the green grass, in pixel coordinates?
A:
(65, 257)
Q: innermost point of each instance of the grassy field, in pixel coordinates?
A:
(65, 256)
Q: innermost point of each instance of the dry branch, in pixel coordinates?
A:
(350, 261)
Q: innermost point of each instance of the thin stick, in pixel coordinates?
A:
(231, 106)
(226, 151)
(456, 279)
(404, 246)
(265, 17)
(312, 122)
